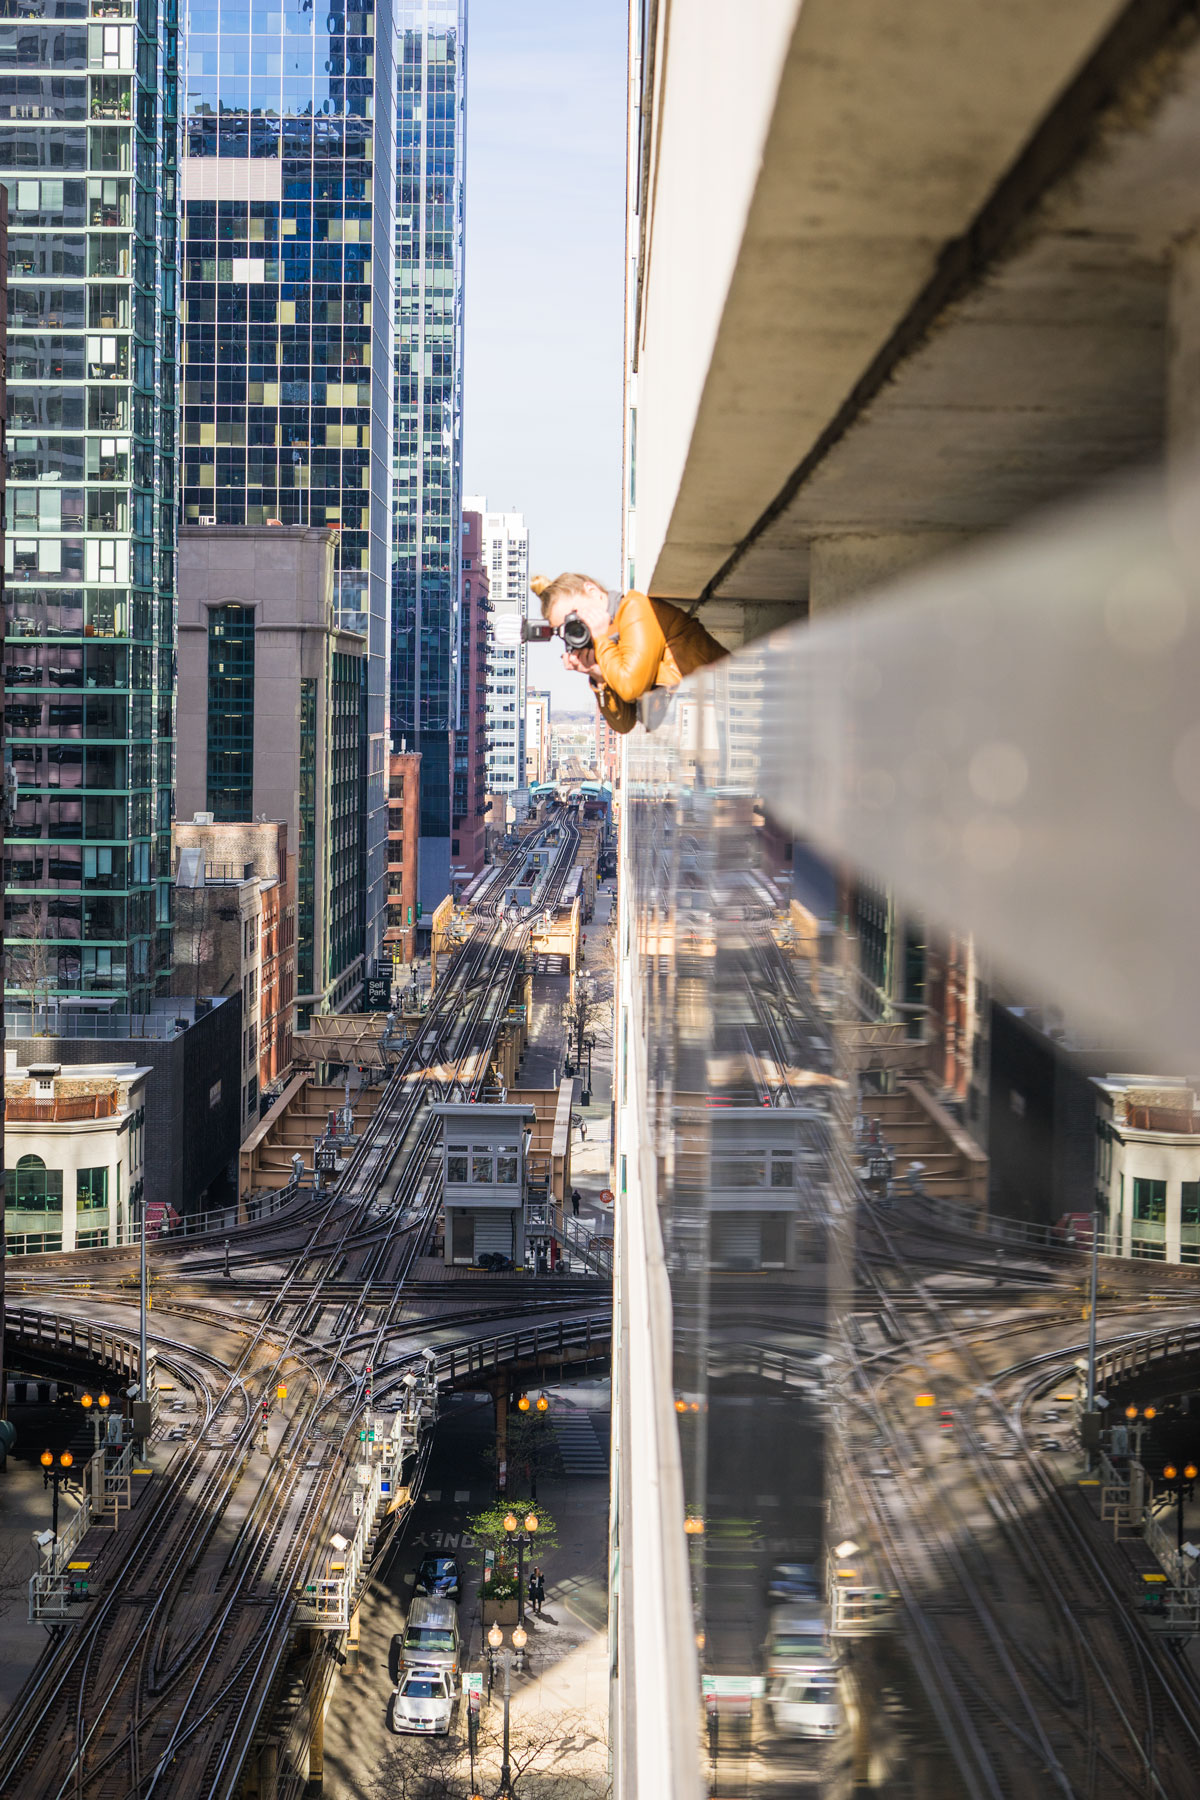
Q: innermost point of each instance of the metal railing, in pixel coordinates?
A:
(562, 1341)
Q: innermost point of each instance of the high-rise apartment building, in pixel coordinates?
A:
(506, 558)
(468, 844)
(288, 191)
(88, 152)
(537, 736)
(430, 128)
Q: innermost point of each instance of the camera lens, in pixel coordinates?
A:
(575, 633)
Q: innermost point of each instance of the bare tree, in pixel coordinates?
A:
(551, 1756)
(28, 955)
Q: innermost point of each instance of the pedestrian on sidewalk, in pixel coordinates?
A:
(541, 1592)
(532, 1589)
(575, 1201)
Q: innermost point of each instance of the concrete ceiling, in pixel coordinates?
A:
(950, 304)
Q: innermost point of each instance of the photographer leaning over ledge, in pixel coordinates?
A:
(625, 645)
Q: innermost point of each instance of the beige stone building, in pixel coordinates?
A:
(74, 1148)
(271, 726)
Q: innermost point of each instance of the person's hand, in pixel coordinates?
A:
(580, 662)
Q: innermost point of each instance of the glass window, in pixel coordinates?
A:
(33, 1187)
(783, 1171)
(481, 1166)
(506, 1167)
(739, 1171)
(1149, 1201)
(91, 1188)
(1189, 1203)
(456, 1166)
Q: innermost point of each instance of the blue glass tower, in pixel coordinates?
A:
(288, 192)
(430, 146)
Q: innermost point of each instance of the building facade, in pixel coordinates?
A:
(468, 821)
(88, 152)
(235, 931)
(484, 1181)
(287, 187)
(537, 737)
(76, 1141)
(192, 1049)
(427, 463)
(505, 548)
(272, 693)
(1148, 1165)
(404, 839)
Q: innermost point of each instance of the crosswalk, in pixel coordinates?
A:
(579, 1445)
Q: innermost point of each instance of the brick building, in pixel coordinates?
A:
(235, 931)
(404, 820)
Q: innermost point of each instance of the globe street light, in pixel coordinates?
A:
(496, 1639)
(101, 1402)
(524, 1541)
(51, 1477)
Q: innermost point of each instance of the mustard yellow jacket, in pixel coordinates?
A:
(651, 644)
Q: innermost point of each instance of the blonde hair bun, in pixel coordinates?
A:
(539, 584)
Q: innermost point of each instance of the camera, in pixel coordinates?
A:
(575, 634)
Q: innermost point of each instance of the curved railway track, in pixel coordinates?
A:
(159, 1690)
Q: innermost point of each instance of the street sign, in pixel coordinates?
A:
(606, 1196)
(281, 1392)
(472, 1684)
(733, 1687)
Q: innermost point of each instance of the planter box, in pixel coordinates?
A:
(500, 1612)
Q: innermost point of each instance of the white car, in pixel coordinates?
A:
(424, 1702)
(804, 1703)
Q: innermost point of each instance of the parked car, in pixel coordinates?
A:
(431, 1636)
(1074, 1228)
(796, 1633)
(793, 1581)
(804, 1703)
(423, 1701)
(439, 1575)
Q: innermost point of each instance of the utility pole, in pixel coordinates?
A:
(1092, 1288)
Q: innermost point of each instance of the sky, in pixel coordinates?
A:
(545, 250)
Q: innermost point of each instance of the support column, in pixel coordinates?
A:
(316, 1727)
(500, 1395)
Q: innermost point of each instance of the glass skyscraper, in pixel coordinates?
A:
(430, 133)
(88, 152)
(288, 189)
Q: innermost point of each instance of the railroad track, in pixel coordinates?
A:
(160, 1690)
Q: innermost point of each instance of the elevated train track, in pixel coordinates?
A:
(161, 1689)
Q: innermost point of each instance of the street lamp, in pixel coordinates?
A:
(1184, 1486)
(496, 1639)
(51, 1477)
(524, 1541)
(101, 1402)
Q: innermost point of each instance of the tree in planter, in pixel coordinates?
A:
(487, 1528)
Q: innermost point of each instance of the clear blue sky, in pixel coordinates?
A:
(545, 282)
